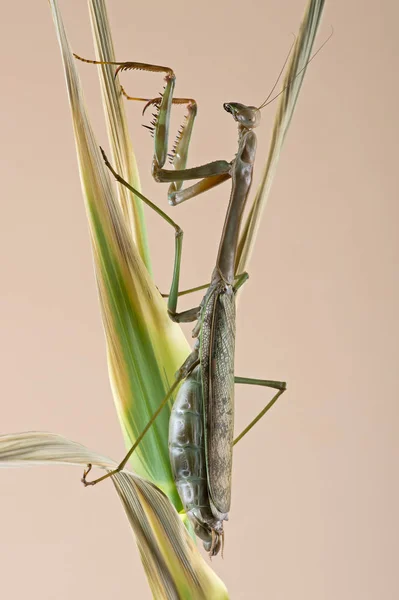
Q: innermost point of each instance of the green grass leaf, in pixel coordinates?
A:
(121, 147)
(144, 347)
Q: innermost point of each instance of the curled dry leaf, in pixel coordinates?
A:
(174, 567)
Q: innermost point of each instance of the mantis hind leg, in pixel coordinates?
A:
(123, 463)
(189, 364)
(281, 386)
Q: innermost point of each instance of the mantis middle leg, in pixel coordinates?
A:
(239, 280)
(187, 315)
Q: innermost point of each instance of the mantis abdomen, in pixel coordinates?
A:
(187, 458)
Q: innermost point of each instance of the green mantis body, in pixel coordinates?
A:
(202, 421)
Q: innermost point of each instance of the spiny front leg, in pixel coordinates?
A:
(162, 119)
(179, 153)
(211, 169)
(160, 130)
(211, 174)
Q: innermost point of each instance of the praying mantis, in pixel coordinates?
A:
(202, 420)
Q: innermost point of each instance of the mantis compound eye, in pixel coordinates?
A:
(247, 116)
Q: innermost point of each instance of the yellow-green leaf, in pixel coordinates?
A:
(144, 347)
(118, 134)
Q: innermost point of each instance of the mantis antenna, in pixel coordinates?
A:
(281, 72)
(267, 101)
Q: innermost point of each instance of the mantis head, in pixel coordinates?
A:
(247, 116)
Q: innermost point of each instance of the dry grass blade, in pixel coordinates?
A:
(292, 84)
(118, 134)
(173, 565)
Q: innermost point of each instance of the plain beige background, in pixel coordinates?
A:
(315, 493)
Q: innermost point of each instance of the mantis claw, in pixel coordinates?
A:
(85, 474)
(155, 101)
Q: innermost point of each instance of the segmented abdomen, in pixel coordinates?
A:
(187, 453)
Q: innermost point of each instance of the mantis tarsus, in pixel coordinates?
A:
(201, 425)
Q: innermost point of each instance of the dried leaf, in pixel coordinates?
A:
(173, 565)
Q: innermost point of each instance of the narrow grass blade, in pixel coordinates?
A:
(118, 134)
(285, 110)
(173, 564)
(144, 347)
